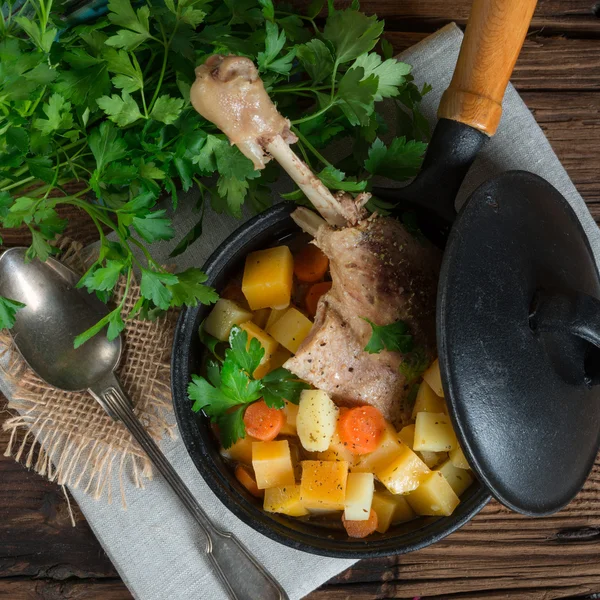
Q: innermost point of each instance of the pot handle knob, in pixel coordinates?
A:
(572, 313)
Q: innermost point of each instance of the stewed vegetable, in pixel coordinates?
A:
(295, 449)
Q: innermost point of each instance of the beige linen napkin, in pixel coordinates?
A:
(154, 543)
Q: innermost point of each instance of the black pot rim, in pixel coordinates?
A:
(199, 446)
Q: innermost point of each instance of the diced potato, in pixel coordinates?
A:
(291, 329)
(391, 509)
(428, 401)
(433, 377)
(261, 317)
(268, 278)
(432, 459)
(359, 495)
(274, 315)
(434, 433)
(407, 436)
(434, 497)
(266, 341)
(459, 479)
(279, 357)
(272, 463)
(224, 315)
(458, 458)
(404, 473)
(389, 448)
(241, 451)
(323, 485)
(316, 420)
(285, 500)
(337, 451)
(291, 413)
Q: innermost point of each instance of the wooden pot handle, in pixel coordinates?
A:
(495, 33)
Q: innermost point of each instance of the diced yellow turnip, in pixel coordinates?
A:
(434, 497)
(359, 495)
(433, 377)
(240, 451)
(434, 433)
(225, 315)
(459, 479)
(290, 329)
(323, 485)
(284, 500)
(404, 473)
(268, 278)
(428, 401)
(337, 451)
(316, 420)
(391, 509)
(389, 448)
(272, 464)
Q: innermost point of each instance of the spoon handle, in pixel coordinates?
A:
(240, 572)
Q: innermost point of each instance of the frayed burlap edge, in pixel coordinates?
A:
(66, 437)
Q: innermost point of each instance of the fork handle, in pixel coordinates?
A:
(241, 574)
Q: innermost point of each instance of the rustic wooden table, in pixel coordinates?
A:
(497, 555)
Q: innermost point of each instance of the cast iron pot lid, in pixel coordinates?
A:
(518, 326)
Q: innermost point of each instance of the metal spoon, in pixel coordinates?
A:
(55, 313)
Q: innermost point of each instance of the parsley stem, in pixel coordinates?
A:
(313, 115)
(311, 147)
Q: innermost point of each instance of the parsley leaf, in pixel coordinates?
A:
(136, 23)
(246, 355)
(356, 95)
(153, 287)
(122, 110)
(352, 33)
(237, 384)
(189, 289)
(8, 312)
(393, 337)
(391, 73)
(281, 385)
(400, 161)
(167, 109)
(274, 43)
(57, 110)
(316, 58)
(154, 226)
(414, 364)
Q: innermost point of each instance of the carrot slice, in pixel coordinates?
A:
(310, 264)
(243, 475)
(361, 429)
(361, 529)
(314, 295)
(262, 422)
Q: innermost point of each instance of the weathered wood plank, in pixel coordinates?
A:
(545, 63)
(578, 17)
(48, 589)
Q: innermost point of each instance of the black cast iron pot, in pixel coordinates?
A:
(260, 232)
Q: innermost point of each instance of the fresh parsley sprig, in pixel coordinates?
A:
(98, 118)
(230, 387)
(394, 337)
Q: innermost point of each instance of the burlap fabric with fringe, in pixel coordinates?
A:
(67, 437)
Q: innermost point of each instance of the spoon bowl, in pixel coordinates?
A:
(55, 312)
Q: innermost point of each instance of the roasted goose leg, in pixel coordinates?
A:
(379, 270)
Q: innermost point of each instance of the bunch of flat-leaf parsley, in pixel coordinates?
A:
(97, 116)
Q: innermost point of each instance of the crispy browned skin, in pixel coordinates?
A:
(383, 273)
